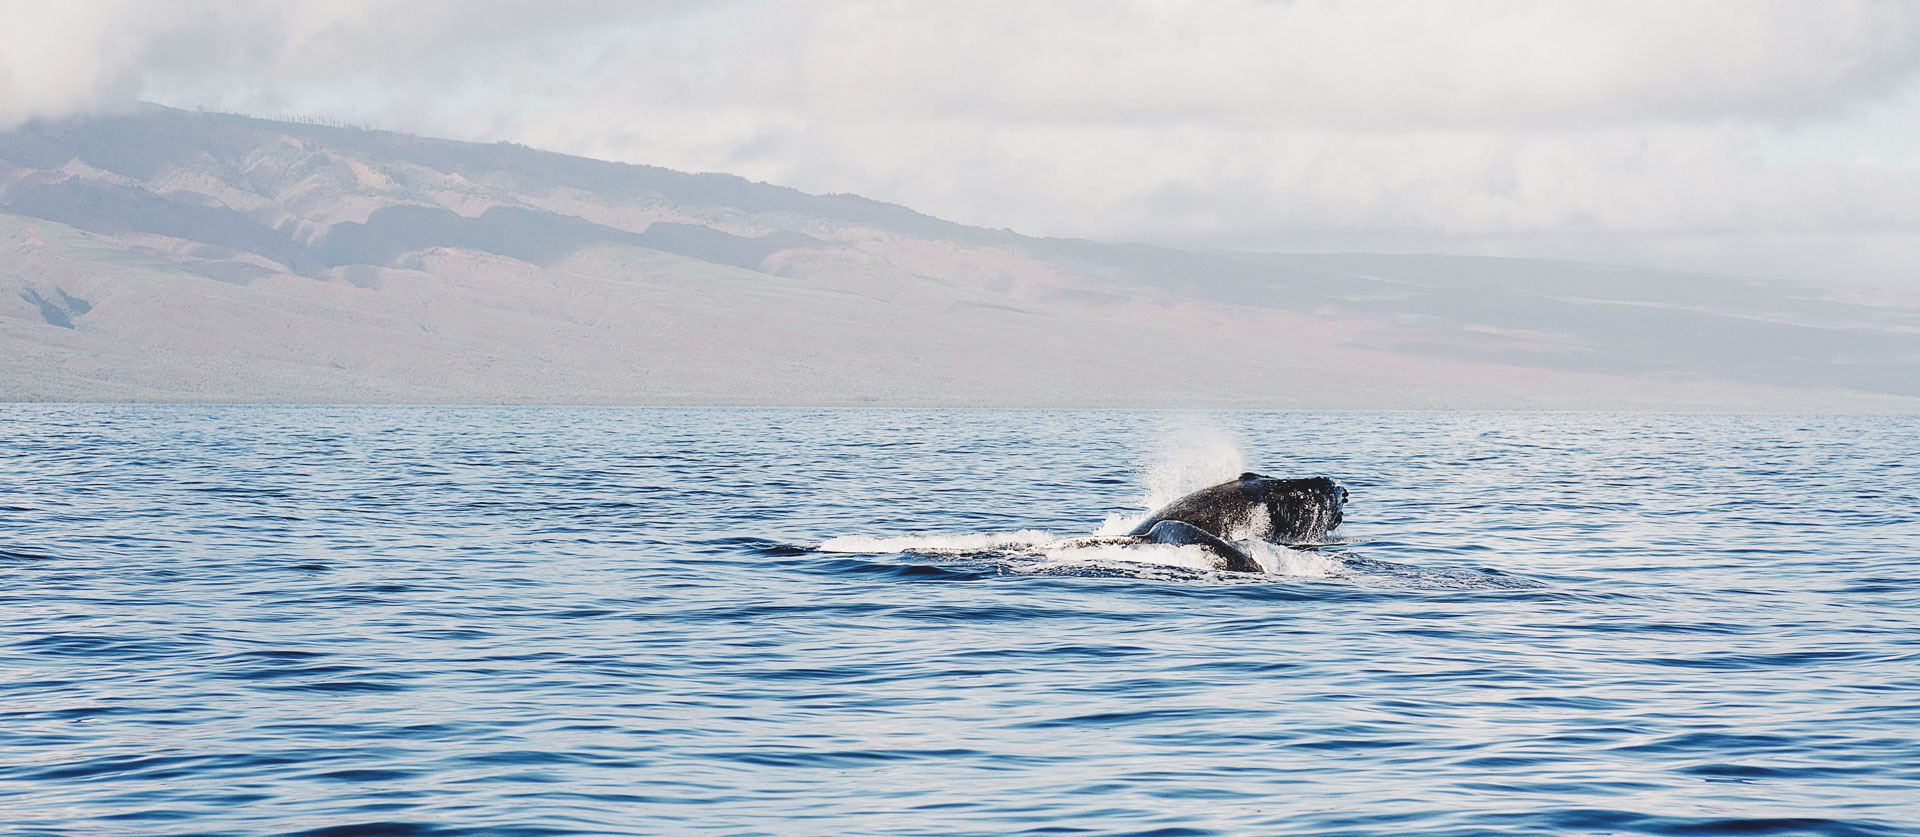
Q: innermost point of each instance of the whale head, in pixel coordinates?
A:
(1294, 510)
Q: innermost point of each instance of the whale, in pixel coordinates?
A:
(1250, 507)
(1179, 533)
(1258, 507)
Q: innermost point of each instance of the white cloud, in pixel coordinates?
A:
(1359, 65)
(1689, 133)
(62, 58)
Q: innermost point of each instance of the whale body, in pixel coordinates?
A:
(1249, 507)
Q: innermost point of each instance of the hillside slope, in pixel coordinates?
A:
(166, 255)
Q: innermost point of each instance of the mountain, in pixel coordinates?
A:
(164, 255)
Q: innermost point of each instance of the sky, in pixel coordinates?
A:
(1750, 137)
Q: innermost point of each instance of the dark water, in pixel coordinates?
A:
(554, 621)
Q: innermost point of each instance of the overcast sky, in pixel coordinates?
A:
(1740, 136)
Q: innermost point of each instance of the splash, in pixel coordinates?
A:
(1275, 559)
(1142, 560)
(1302, 563)
(1185, 557)
(1192, 455)
(1189, 456)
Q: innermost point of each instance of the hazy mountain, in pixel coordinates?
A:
(167, 255)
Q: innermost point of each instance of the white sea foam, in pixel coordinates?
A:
(1273, 558)
(1185, 557)
(1119, 524)
(1053, 551)
(1301, 563)
(938, 544)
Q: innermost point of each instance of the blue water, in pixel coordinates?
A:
(321, 620)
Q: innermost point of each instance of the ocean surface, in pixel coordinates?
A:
(436, 621)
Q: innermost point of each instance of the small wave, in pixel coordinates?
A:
(13, 555)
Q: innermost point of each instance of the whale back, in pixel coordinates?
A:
(1259, 507)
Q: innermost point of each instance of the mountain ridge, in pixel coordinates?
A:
(165, 255)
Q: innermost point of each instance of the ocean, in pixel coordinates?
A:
(542, 620)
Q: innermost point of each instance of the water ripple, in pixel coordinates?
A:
(440, 621)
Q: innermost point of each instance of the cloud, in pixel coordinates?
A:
(57, 59)
(1690, 132)
(1388, 66)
